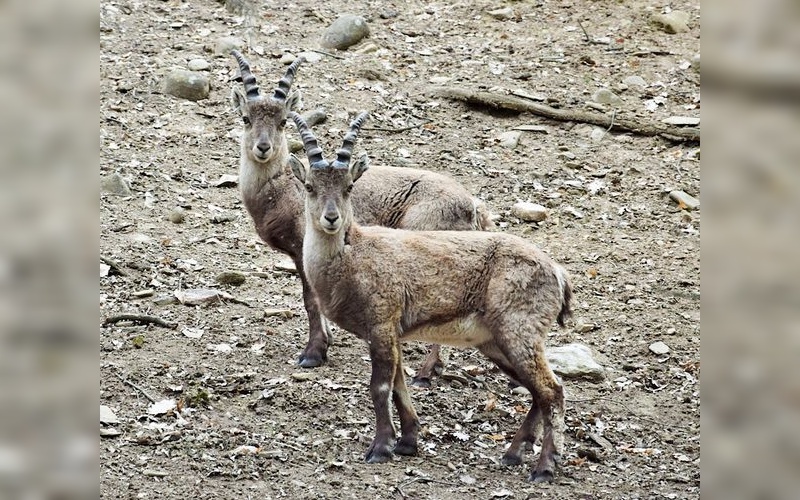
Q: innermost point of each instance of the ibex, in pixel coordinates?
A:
(493, 291)
(396, 197)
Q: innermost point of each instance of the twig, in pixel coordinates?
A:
(327, 54)
(396, 130)
(499, 101)
(140, 318)
(128, 382)
(604, 398)
(588, 39)
(611, 125)
(113, 265)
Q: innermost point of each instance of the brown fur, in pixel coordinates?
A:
(493, 291)
(394, 197)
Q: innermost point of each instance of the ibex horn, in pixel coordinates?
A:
(313, 150)
(249, 81)
(346, 151)
(285, 83)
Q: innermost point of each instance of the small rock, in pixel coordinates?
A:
(283, 313)
(696, 63)
(109, 432)
(315, 117)
(533, 128)
(659, 348)
(566, 155)
(520, 391)
(286, 265)
(302, 376)
(529, 212)
(347, 30)
(198, 296)
(574, 361)
(674, 22)
(605, 96)
(597, 134)
(228, 180)
(287, 58)
(684, 200)
(310, 56)
(165, 300)
(107, 416)
(186, 85)
(582, 327)
(140, 294)
(225, 45)
(367, 48)
(635, 81)
(198, 64)
(177, 216)
(230, 278)
(503, 14)
(682, 120)
(104, 270)
(295, 145)
(509, 139)
(115, 184)
(162, 407)
(466, 479)
(572, 211)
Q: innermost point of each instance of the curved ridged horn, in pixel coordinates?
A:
(249, 81)
(313, 150)
(346, 151)
(285, 83)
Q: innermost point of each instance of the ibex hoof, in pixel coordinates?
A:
(407, 449)
(542, 476)
(311, 361)
(378, 455)
(509, 460)
(421, 382)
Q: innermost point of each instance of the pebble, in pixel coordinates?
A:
(367, 48)
(198, 64)
(315, 116)
(225, 45)
(115, 184)
(165, 300)
(659, 348)
(566, 155)
(635, 81)
(286, 265)
(287, 58)
(187, 85)
(682, 120)
(503, 14)
(107, 416)
(230, 278)
(227, 180)
(574, 361)
(283, 313)
(311, 57)
(295, 145)
(597, 134)
(605, 96)
(529, 212)
(347, 30)
(582, 327)
(684, 199)
(302, 376)
(177, 216)
(674, 22)
(509, 139)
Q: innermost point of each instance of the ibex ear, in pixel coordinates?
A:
(298, 169)
(237, 99)
(295, 101)
(359, 166)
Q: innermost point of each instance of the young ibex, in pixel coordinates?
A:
(489, 290)
(396, 197)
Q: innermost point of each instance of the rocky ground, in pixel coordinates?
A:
(233, 416)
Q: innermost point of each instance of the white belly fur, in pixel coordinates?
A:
(463, 332)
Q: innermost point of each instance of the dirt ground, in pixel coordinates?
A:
(253, 425)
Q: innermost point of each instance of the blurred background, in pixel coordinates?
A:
(49, 249)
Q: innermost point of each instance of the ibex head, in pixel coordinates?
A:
(264, 117)
(329, 183)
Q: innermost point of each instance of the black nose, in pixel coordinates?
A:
(332, 218)
(263, 147)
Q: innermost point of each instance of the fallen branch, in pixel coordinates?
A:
(326, 54)
(140, 318)
(511, 103)
(128, 382)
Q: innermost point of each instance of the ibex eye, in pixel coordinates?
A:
(309, 188)
(246, 120)
(283, 123)
(350, 188)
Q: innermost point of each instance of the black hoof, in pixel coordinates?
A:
(510, 460)
(378, 456)
(308, 361)
(407, 449)
(421, 382)
(544, 476)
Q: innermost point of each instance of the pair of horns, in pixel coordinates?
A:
(314, 152)
(249, 81)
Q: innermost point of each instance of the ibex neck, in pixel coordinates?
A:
(319, 246)
(253, 176)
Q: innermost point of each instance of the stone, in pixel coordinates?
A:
(659, 348)
(529, 212)
(198, 64)
(605, 96)
(684, 200)
(597, 134)
(188, 85)
(672, 23)
(107, 416)
(691, 121)
(177, 216)
(225, 45)
(503, 14)
(287, 58)
(574, 361)
(509, 139)
(227, 180)
(635, 81)
(302, 376)
(347, 30)
(280, 313)
(295, 145)
(315, 117)
(311, 57)
(230, 278)
(115, 184)
(286, 265)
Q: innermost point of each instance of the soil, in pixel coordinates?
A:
(249, 422)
